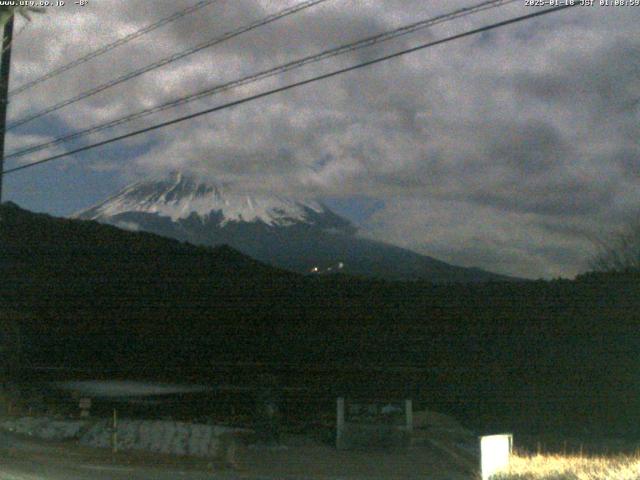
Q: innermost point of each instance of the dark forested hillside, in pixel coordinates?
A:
(559, 354)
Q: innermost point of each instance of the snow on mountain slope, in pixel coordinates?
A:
(180, 195)
(298, 235)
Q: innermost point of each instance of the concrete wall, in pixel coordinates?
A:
(176, 438)
(368, 437)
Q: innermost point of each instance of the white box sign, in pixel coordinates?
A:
(495, 451)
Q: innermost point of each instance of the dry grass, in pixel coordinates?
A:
(567, 467)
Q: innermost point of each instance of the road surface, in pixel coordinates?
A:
(29, 459)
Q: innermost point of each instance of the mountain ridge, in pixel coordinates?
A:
(298, 235)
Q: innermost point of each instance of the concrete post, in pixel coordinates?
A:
(408, 409)
(5, 65)
(114, 438)
(339, 422)
(85, 406)
(267, 414)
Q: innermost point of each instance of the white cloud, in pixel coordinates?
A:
(477, 146)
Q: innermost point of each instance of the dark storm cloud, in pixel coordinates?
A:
(502, 151)
(602, 80)
(550, 198)
(530, 148)
(628, 159)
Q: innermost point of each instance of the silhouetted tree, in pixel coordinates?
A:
(620, 252)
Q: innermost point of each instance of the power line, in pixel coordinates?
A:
(363, 43)
(294, 85)
(165, 61)
(106, 48)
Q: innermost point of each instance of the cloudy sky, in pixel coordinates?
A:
(509, 150)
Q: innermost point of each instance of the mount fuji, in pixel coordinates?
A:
(302, 236)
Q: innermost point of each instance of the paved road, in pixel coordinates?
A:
(26, 459)
(22, 469)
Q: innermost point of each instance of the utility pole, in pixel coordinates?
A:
(5, 66)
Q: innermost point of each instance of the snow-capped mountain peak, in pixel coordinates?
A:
(180, 195)
(298, 235)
